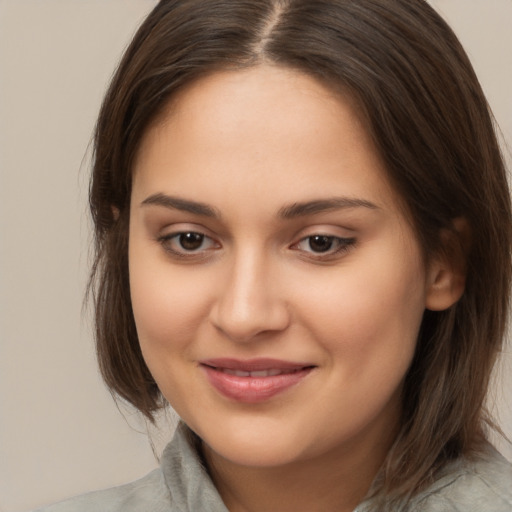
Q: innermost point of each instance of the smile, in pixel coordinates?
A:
(253, 381)
(260, 373)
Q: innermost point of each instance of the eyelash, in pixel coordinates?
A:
(342, 245)
(167, 242)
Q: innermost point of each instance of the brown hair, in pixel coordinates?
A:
(429, 119)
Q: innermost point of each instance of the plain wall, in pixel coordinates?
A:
(60, 432)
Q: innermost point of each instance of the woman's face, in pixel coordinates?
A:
(277, 287)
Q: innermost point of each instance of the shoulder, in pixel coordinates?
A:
(148, 493)
(180, 483)
(483, 482)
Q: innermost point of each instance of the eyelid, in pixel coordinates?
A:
(173, 229)
(170, 234)
(343, 244)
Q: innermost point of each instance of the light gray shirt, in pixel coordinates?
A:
(181, 484)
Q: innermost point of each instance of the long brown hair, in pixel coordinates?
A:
(424, 108)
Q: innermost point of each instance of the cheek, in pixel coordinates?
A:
(168, 313)
(369, 314)
(168, 303)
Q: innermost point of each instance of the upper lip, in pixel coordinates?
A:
(254, 365)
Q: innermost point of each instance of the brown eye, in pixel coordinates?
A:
(320, 246)
(191, 241)
(187, 244)
(320, 243)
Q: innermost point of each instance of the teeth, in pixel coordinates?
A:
(260, 373)
(238, 373)
(263, 373)
(271, 373)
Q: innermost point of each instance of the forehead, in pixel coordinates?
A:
(260, 130)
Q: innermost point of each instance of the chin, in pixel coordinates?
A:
(259, 442)
(255, 453)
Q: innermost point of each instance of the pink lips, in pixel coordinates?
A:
(254, 380)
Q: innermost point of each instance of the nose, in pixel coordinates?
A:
(250, 301)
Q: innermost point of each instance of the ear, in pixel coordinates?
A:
(446, 273)
(115, 212)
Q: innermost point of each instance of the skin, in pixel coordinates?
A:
(250, 144)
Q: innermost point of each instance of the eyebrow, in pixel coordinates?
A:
(287, 212)
(324, 205)
(185, 205)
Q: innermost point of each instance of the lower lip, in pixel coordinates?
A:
(252, 389)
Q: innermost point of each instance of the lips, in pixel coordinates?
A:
(260, 373)
(255, 380)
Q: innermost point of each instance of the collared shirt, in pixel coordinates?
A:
(182, 484)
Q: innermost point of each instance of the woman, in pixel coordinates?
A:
(303, 245)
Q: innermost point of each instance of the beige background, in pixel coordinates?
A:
(60, 433)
